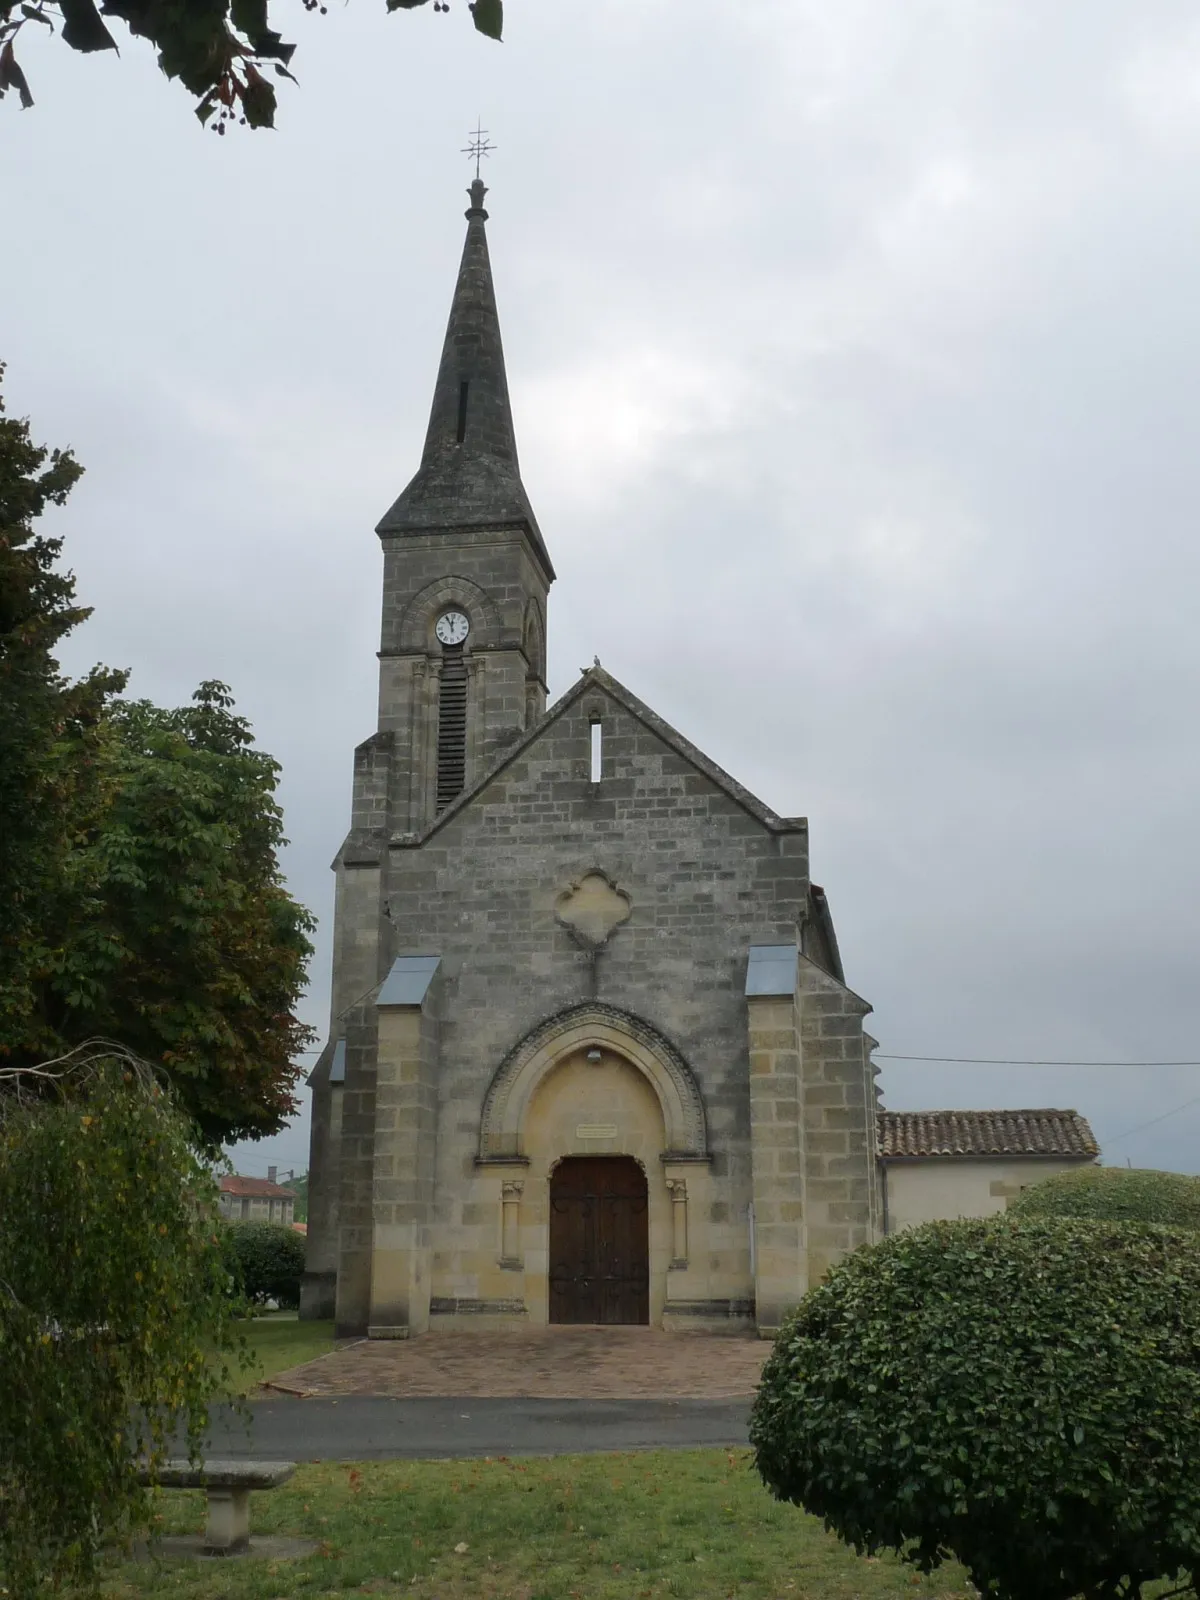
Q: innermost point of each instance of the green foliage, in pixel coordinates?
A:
(299, 1187)
(140, 892)
(218, 49)
(1022, 1395)
(48, 728)
(115, 1312)
(267, 1259)
(1115, 1194)
(172, 930)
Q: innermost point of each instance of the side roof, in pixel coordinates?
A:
(1042, 1131)
(597, 678)
(255, 1188)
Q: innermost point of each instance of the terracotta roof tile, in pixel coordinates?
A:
(255, 1188)
(1039, 1132)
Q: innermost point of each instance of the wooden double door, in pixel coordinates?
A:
(599, 1241)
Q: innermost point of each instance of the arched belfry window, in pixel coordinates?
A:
(452, 726)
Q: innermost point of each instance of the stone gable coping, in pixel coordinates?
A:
(591, 679)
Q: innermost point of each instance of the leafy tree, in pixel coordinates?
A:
(140, 892)
(299, 1187)
(1022, 1395)
(1115, 1194)
(48, 728)
(173, 931)
(116, 1322)
(220, 50)
(268, 1262)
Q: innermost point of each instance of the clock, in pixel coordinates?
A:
(452, 627)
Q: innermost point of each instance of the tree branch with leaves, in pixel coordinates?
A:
(117, 1312)
(225, 52)
(141, 895)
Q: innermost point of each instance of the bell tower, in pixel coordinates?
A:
(462, 673)
(466, 572)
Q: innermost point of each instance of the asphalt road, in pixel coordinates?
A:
(367, 1427)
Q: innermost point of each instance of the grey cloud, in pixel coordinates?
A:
(864, 335)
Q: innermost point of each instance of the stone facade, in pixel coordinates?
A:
(601, 946)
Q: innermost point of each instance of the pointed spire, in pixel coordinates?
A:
(469, 474)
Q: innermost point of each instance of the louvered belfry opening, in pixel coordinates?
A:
(452, 727)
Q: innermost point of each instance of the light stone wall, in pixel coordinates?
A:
(933, 1190)
(402, 1170)
(813, 1112)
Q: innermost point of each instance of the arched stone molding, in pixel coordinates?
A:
(427, 605)
(593, 1025)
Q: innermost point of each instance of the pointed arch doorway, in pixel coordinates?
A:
(599, 1241)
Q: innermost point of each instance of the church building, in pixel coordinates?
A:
(592, 1055)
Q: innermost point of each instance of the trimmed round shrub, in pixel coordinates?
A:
(1021, 1395)
(267, 1261)
(1115, 1194)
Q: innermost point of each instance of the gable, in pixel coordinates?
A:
(634, 739)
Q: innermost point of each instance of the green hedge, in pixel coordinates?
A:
(267, 1262)
(1115, 1194)
(1020, 1394)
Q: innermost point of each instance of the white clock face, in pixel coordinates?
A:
(452, 627)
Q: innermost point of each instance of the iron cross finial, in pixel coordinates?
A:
(479, 146)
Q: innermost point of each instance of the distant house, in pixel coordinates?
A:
(256, 1199)
(940, 1164)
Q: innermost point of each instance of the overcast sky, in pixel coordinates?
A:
(853, 349)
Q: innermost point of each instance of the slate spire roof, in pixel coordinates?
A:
(469, 475)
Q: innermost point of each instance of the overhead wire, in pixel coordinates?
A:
(1005, 1061)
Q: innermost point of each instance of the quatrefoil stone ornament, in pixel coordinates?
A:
(593, 909)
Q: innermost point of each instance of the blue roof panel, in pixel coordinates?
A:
(771, 969)
(408, 982)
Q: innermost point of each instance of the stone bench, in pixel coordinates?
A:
(228, 1485)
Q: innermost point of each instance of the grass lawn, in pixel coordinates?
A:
(279, 1341)
(664, 1523)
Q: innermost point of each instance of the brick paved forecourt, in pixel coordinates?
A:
(549, 1363)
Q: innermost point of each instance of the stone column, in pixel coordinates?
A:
(511, 1190)
(405, 1141)
(777, 1171)
(318, 1289)
(677, 1189)
(356, 1176)
(840, 1120)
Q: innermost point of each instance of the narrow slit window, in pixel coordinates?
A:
(461, 432)
(452, 727)
(597, 751)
